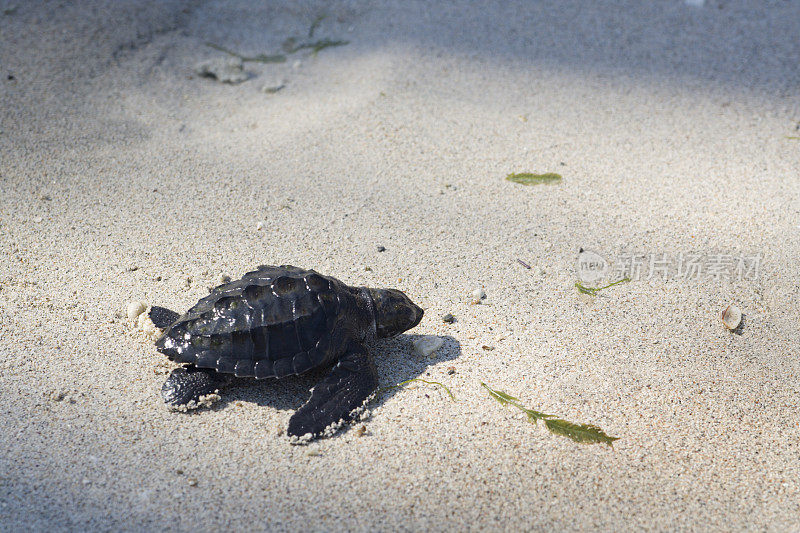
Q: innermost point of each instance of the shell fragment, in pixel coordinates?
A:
(732, 317)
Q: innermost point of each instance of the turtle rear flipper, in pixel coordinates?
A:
(338, 398)
(162, 317)
(189, 387)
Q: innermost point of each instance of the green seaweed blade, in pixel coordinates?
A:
(582, 433)
(527, 178)
(593, 291)
(535, 416)
(267, 58)
(500, 396)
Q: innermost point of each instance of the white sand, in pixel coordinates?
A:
(122, 174)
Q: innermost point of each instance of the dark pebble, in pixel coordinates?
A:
(449, 318)
(381, 248)
(451, 370)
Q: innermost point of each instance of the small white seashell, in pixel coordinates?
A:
(732, 317)
(478, 295)
(428, 344)
(135, 309)
(260, 225)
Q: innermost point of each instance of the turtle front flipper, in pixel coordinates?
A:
(190, 387)
(338, 398)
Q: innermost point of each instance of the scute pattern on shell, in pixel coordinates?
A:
(273, 322)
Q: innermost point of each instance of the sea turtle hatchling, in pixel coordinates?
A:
(280, 321)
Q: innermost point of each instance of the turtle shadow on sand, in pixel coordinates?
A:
(395, 361)
(405, 364)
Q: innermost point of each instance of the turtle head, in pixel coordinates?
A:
(394, 312)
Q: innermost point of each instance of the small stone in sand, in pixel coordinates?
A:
(135, 309)
(56, 396)
(451, 370)
(272, 88)
(223, 69)
(427, 344)
(361, 431)
(260, 225)
(192, 482)
(487, 347)
(449, 318)
(381, 248)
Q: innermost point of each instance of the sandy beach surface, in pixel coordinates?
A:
(125, 175)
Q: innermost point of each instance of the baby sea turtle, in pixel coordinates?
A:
(280, 321)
